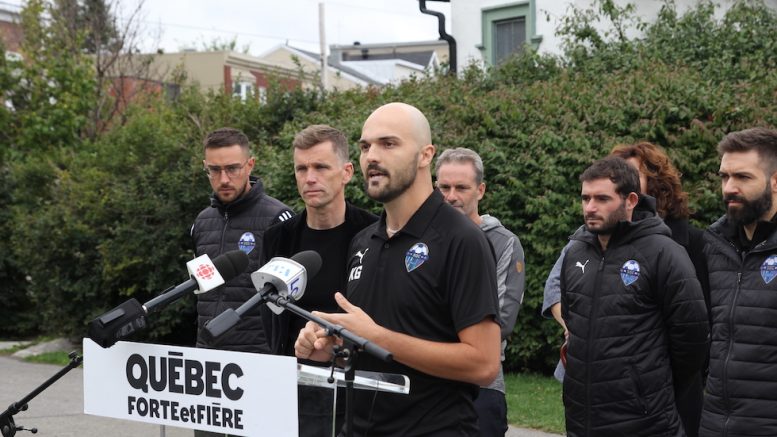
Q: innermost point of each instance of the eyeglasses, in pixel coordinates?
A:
(214, 171)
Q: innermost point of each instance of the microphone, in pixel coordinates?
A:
(286, 277)
(130, 316)
(204, 276)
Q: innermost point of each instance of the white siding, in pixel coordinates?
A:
(466, 20)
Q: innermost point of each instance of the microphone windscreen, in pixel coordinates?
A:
(118, 323)
(309, 259)
(231, 264)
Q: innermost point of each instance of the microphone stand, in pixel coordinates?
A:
(7, 425)
(349, 351)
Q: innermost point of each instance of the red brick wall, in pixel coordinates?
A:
(228, 80)
(263, 82)
(11, 34)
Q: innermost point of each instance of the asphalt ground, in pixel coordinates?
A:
(59, 409)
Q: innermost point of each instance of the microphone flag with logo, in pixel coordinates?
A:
(130, 316)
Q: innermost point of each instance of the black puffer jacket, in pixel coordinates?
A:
(741, 395)
(237, 225)
(637, 319)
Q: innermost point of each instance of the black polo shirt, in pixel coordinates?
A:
(432, 279)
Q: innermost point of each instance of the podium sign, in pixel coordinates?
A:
(221, 391)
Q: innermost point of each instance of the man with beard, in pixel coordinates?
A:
(421, 285)
(237, 217)
(634, 311)
(660, 179)
(741, 253)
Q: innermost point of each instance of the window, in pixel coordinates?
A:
(13, 57)
(506, 29)
(172, 91)
(509, 37)
(243, 89)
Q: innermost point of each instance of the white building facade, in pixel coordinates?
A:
(488, 31)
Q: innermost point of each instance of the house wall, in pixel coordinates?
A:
(203, 68)
(283, 56)
(467, 21)
(439, 47)
(218, 70)
(10, 31)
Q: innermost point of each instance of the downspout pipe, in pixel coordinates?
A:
(443, 35)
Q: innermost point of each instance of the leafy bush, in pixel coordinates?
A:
(114, 220)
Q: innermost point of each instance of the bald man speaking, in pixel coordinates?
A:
(421, 285)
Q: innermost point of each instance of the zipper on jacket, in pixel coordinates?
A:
(224, 231)
(589, 352)
(726, 399)
(221, 250)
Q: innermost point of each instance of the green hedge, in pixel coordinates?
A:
(114, 221)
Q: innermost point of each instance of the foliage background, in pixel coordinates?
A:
(93, 219)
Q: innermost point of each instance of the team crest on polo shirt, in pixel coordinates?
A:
(769, 269)
(417, 255)
(247, 242)
(630, 272)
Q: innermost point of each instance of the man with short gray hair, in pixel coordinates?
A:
(460, 179)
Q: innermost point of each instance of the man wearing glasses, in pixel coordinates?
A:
(238, 215)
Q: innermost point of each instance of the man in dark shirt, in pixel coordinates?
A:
(421, 285)
(741, 253)
(634, 309)
(237, 217)
(322, 170)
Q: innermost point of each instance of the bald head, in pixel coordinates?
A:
(396, 154)
(403, 118)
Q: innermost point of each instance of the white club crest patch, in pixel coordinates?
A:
(630, 272)
(769, 269)
(247, 242)
(417, 255)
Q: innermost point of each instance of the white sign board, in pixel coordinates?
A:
(221, 391)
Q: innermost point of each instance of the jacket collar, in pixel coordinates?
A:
(765, 234)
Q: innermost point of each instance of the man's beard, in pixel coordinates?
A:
(751, 210)
(398, 182)
(610, 223)
(239, 191)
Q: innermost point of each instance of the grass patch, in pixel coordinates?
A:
(11, 350)
(59, 358)
(534, 401)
